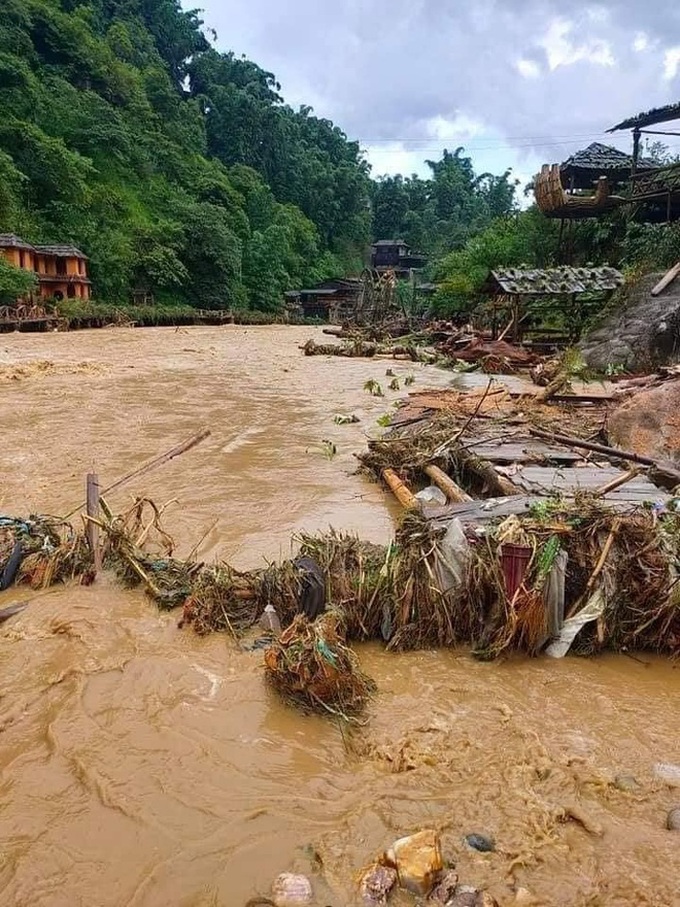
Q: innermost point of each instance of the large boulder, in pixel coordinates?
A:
(648, 422)
(638, 331)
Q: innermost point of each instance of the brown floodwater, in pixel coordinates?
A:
(143, 766)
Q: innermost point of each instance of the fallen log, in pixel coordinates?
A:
(399, 489)
(453, 492)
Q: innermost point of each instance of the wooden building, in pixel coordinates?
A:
(655, 191)
(540, 293)
(330, 300)
(61, 269)
(396, 255)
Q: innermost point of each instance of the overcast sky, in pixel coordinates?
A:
(517, 82)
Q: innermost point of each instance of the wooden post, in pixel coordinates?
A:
(93, 512)
(636, 150)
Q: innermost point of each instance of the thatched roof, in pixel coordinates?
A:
(552, 281)
(650, 118)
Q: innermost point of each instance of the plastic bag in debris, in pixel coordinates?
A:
(593, 609)
(453, 557)
(431, 495)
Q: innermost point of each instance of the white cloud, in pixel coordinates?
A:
(442, 74)
(461, 128)
(671, 63)
(561, 50)
(640, 43)
(528, 69)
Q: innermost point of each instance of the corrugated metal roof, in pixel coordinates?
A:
(555, 281)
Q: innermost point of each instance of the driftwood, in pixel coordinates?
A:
(453, 492)
(666, 280)
(495, 483)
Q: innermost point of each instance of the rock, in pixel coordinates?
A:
(466, 896)
(291, 890)
(418, 861)
(481, 843)
(640, 332)
(668, 773)
(673, 819)
(445, 888)
(376, 884)
(626, 783)
(646, 423)
(524, 898)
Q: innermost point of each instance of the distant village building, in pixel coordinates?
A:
(396, 255)
(330, 300)
(61, 269)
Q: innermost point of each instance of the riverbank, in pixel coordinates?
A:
(75, 315)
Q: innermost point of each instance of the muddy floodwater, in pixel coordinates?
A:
(143, 766)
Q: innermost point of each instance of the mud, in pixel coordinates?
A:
(143, 766)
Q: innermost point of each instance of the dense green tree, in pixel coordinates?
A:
(440, 214)
(526, 238)
(14, 282)
(179, 170)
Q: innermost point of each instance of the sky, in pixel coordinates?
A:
(518, 83)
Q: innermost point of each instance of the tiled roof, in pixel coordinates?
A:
(12, 241)
(61, 251)
(555, 281)
(602, 158)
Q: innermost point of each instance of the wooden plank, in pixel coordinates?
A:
(92, 529)
(494, 508)
(535, 479)
(666, 280)
(522, 452)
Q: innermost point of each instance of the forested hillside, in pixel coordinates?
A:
(178, 169)
(181, 171)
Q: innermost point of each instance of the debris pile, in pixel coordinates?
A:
(310, 666)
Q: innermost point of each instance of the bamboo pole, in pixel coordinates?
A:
(590, 445)
(152, 464)
(399, 489)
(617, 483)
(453, 492)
